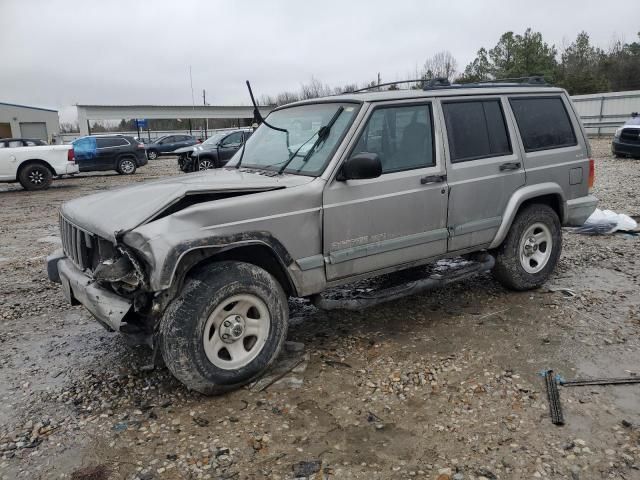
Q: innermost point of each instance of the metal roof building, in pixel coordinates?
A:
(28, 122)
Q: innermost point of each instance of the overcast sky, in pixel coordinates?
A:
(56, 53)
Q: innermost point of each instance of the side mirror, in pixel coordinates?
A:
(361, 166)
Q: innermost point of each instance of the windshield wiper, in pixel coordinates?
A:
(323, 133)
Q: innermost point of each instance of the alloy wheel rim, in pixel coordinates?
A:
(236, 331)
(127, 166)
(535, 248)
(205, 164)
(36, 177)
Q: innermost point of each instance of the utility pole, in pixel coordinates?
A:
(378, 81)
(204, 102)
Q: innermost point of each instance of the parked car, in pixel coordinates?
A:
(626, 141)
(167, 145)
(21, 142)
(121, 153)
(214, 152)
(328, 192)
(35, 166)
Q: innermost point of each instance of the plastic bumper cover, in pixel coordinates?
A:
(579, 209)
(107, 307)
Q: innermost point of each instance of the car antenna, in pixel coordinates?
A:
(258, 116)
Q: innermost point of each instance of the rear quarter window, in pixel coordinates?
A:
(543, 123)
(111, 142)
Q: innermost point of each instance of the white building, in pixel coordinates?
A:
(21, 121)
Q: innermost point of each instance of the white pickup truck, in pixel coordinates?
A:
(35, 167)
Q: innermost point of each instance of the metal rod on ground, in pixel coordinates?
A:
(600, 381)
(555, 408)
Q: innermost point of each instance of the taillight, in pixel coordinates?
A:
(141, 145)
(592, 173)
(71, 156)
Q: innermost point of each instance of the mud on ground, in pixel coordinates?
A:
(442, 385)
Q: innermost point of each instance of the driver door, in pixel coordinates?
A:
(229, 146)
(400, 217)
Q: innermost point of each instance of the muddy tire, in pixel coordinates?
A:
(35, 176)
(529, 254)
(225, 328)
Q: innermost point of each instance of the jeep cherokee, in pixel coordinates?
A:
(326, 192)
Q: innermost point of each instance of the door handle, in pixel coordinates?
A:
(510, 166)
(433, 179)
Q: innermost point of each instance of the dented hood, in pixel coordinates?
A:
(110, 213)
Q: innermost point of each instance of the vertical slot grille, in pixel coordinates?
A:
(75, 243)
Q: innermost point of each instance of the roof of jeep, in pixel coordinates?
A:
(456, 91)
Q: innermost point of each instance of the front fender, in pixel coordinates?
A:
(519, 197)
(166, 262)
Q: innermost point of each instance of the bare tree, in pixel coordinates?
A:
(441, 65)
(314, 89)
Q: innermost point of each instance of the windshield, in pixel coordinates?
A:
(214, 139)
(268, 149)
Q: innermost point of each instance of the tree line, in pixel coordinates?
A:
(580, 67)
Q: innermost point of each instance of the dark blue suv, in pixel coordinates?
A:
(121, 153)
(168, 144)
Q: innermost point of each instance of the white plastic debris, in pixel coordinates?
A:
(603, 222)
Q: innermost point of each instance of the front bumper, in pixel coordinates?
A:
(78, 288)
(625, 149)
(579, 209)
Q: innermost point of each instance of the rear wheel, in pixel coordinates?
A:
(152, 154)
(35, 176)
(225, 328)
(126, 166)
(529, 254)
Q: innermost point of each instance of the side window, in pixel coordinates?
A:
(110, 142)
(543, 123)
(85, 147)
(31, 143)
(401, 136)
(2, 145)
(15, 143)
(476, 129)
(232, 140)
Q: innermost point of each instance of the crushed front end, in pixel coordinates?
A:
(107, 279)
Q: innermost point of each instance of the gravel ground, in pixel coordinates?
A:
(440, 386)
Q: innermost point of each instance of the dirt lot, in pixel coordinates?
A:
(444, 385)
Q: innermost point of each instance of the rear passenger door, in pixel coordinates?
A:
(107, 152)
(484, 168)
(399, 217)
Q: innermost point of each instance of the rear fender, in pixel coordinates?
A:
(523, 195)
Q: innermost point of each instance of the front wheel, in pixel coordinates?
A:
(35, 177)
(152, 154)
(225, 328)
(529, 254)
(206, 164)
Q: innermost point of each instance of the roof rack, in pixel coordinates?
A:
(532, 80)
(443, 82)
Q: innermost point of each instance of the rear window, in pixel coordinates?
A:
(110, 142)
(476, 129)
(543, 123)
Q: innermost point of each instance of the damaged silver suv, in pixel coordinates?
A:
(326, 192)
